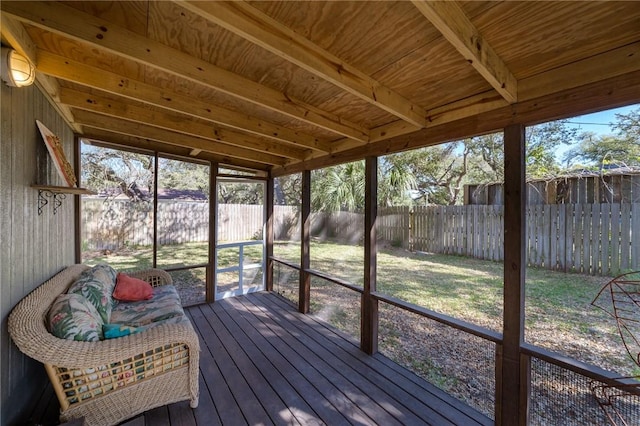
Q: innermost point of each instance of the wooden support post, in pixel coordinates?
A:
(369, 305)
(156, 168)
(512, 407)
(304, 296)
(269, 234)
(210, 293)
(77, 199)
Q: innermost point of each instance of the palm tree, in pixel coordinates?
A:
(338, 188)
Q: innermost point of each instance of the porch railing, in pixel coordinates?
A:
(240, 268)
(560, 387)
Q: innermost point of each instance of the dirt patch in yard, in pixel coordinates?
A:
(464, 365)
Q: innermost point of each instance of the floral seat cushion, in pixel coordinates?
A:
(164, 307)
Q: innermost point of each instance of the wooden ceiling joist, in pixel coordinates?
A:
(246, 21)
(282, 85)
(616, 91)
(441, 115)
(99, 137)
(131, 128)
(70, 70)
(97, 32)
(449, 18)
(119, 108)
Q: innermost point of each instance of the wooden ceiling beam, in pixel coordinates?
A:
(110, 105)
(468, 107)
(70, 22)
(614, 92)
(610, 64)
(117, 125)
(68, 69)
(255, 26)
(606, 65)
(449, 18)
(15, 35)
(109, 139)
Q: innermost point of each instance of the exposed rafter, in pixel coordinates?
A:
(84, 53)
(449, 18)
(100, 137)
(610, 64)
(619, 89)
(119, 108)
(68, 69)
(131, 128)
(445, 114)
(70, 22)
(246, 21)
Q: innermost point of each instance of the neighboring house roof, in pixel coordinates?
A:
(163, 194)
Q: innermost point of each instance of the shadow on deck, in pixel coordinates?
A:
(264, 363)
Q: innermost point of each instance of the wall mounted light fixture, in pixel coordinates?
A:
(17, 70)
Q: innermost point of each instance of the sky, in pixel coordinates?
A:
(599, 122)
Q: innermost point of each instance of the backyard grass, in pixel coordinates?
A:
(558, 311)
(559, 316)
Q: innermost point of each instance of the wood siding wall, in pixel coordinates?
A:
(32, 247)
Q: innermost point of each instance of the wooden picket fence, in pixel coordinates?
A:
(119, 223)
(597, 239)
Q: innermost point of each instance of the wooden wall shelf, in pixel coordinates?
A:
(57, 194)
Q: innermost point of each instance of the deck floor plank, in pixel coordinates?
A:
(180, 414)
(355, 406)
(249, 406)
(158, 416)
(345, 367)
(246, 362)
(258, 351)
(406, 408)
(263, 363)
(285, 360)
(206, 412)
(391, 377)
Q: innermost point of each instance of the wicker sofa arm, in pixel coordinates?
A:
(155, 277)
(27, 321)
(140, 371)
(27, 326)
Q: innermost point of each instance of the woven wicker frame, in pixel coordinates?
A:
(112, 380)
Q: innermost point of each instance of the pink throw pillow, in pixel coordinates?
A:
(129, 289)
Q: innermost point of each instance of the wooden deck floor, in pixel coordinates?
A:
(263, 363)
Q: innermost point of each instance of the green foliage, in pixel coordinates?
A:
(628, 126)
(338, 188)
(105, 169)
(118, 172)
(542, 141)
(604, 151)
(240, 193)
(601, 152)
(175, 174)
(288, 190)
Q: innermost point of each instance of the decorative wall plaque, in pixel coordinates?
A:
(57, 154)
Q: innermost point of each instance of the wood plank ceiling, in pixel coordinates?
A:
(284, 86)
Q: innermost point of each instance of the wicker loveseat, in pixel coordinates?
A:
(111, 380)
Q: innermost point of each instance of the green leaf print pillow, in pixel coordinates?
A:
(96, 285)
(72, 317)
